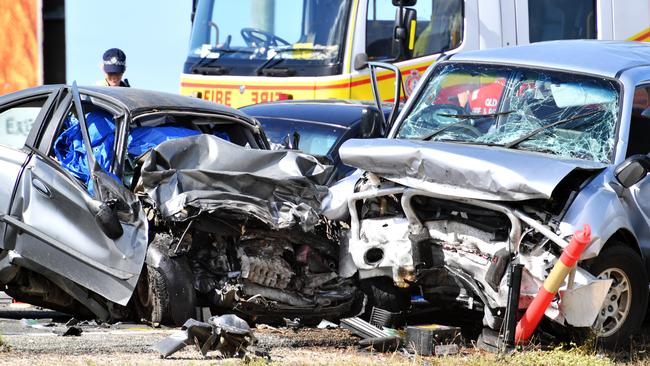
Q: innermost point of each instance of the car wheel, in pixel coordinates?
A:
(152, 298)
(625, 306)
(152, 291)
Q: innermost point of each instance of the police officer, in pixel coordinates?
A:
(114, 65)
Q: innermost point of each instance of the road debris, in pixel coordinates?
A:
(227, 334)
(383, 318)
(446, 349)
(422, 339)
(362, 328)
(292, 323)
(72, 331)
(37, 323)
(326, 324)
(382, 344)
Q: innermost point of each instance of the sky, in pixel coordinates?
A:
(154, 34)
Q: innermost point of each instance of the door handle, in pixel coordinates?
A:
(41, 187)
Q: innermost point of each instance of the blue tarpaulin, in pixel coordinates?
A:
(69, 148)
(141, 139)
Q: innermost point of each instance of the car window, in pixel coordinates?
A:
(312, 138)
(439, 27)
(560, 19)
(638, 142)
(16, 122)
(69, 150)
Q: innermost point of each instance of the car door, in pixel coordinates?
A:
(20, 113)
(59, 223)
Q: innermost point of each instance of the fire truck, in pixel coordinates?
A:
(252, 51)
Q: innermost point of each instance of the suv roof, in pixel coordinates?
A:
(606, 58)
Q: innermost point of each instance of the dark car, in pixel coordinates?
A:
(319, 127)
(119, 203)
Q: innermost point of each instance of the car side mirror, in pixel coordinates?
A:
(632, 170)
(404, 30)
(360, 61)
(404, 2)
(106, 218)
(410, 23)
(370, 124)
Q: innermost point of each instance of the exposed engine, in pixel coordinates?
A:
(454, 251)
(269, 275)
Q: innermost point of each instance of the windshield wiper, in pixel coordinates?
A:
(543, 128)
(464, 118)
(260, 69)
(265, 68)
(204, 64)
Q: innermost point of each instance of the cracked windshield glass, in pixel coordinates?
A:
(269, 29)
(566, 115)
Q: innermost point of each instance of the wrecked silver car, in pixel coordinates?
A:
(121, 203)
(495, 162)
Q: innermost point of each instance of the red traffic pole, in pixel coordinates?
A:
(568, 259)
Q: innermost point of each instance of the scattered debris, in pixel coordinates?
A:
(362, 328)
(383, 318)
(259, 352)
(326, 324)
(292, 324)
(37, 323)
(446, 349)
(382, 344)
(265, 326)
(421, 339)
(72, 331)
(227, 334)
(71, 322)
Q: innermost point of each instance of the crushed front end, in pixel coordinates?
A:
(246, 225)
(457, 251)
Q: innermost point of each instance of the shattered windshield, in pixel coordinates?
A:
(265, 29)
(567, 115)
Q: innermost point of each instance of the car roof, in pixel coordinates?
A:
(139, 100)
(606, 58)
(19, 94)
(342, 113)
(142, 99)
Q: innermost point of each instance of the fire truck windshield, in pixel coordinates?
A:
(269, 31)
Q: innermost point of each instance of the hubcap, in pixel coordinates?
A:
(617, 304)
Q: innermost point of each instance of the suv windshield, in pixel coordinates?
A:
(265, 29)
(567, 115)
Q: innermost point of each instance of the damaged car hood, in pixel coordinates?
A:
(189, 176)
(461, 170)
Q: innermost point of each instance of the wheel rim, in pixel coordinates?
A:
(617, 304)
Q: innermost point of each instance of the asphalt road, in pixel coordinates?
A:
(32, 336)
